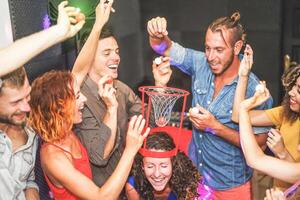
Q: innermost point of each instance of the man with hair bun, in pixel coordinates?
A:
(215, 147)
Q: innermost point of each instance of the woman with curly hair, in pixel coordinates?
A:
(56, 104)
(162, 178)
(284, 140)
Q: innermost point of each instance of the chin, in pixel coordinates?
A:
(295, 109)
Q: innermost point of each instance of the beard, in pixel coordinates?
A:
(9, 120)
(226, 65)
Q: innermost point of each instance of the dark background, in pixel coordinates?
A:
(272, 26)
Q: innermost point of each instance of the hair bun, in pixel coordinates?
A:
(235, 16)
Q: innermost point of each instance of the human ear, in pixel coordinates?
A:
(237, 47)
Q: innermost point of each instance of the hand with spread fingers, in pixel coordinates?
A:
(107, 92)
(66, 20)
(272, 194)
(162, 71)
(135, 136)
(275, 143)
(247, 61)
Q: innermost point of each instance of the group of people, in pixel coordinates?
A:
(91, 129)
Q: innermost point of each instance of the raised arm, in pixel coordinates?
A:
(60, 168)
(87, 53)
(158, 35)
(24, 49)
(255, 157)
(258, 117)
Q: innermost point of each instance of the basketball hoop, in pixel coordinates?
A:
(162, 100)
(160, 103)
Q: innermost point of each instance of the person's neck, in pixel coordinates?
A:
(162, 194)
(93, 75)
(10, 129)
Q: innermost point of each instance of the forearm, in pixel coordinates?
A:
(233, 136)
(285, 155)
(110, 120)
(228, 134)
(240, 93)
(114, 185)
(252, 151)
(161, 46)
(26, 48)
(87, 54)
(32, 194)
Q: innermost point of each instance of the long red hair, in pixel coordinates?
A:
(52, 105)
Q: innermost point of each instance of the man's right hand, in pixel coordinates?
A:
(157, 27)
(107, 92)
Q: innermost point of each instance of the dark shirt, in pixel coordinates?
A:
(94, 134)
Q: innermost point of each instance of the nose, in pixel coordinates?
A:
(156, 172)
(24, 106)
(116, 56)
(210, 55)
(291, 92)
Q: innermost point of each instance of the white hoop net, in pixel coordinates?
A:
(163, 101)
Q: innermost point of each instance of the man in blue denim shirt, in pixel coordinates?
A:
(215, 147)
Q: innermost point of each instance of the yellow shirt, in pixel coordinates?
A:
(290, 133)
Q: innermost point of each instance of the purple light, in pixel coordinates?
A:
(210, 130)
(46, 22)
(161, 47)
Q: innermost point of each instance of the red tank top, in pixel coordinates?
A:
(81, 164)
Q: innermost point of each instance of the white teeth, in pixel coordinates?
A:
(113, 66)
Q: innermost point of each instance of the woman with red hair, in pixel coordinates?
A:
(56, 103)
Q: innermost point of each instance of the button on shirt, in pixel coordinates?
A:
(221, 163)
(17, 168)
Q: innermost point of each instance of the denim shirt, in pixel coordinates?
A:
(221, 163)
(17, 168)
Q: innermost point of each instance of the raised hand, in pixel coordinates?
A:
(247, 61)
(107, 92)
(275, 142)
(103, 10)
(66, 20)
(134, 138)
(157, 27)
(257, 99)
(162, 71)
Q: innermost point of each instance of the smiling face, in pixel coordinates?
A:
(294, 94)
(107, 58)
(158, 171)
(14, 104)
(79, 104)
(219, 53)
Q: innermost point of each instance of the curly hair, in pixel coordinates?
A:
(185, 176)
(232, 24)
(289, 79)
(52, 104)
